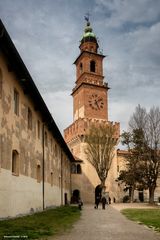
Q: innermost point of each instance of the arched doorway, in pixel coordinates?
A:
(98, 192)
(76, 196)
(141, 196)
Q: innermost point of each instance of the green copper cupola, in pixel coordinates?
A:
(89, 39)
(88, 35)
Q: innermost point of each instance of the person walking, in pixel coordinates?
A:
(104, 201)
(80, 204)
(97, 202)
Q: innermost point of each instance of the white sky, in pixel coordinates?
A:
(46, 33)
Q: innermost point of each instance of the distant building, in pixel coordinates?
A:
(140, 195)
(35, 161)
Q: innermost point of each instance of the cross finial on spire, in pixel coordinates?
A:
(86, 17)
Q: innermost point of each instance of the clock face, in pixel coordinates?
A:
(96, 102)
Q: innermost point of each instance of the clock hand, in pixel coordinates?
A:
(96, 102)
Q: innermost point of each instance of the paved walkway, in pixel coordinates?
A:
(108, 224)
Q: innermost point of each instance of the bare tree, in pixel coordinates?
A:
(101, 141)
(147, 144)
(138, 119)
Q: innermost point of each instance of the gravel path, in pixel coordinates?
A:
(108, 224)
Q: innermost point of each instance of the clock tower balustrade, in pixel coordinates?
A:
(90, 78)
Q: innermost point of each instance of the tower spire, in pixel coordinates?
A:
(86, 17)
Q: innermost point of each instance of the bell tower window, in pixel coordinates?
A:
(81, 67)
(92, 66)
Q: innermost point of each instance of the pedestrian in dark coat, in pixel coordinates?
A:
(104, 201)
(97, 201)
(80, 204)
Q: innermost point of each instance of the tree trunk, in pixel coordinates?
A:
(151, 194)
(103, 186)
(132, 194)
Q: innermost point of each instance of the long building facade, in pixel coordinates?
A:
(35, 161)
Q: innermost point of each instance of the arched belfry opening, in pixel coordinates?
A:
(92, 66)
(81, 67)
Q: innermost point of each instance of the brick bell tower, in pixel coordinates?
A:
(90, 104)
(90, 99)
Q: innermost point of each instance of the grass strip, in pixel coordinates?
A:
(38, 225)
(149, 217)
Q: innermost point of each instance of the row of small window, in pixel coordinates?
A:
(92, 66)
(15, 167)
(16, 109)
(30, 120)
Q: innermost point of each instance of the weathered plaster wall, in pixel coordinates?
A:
(23, 192)
(19, 195)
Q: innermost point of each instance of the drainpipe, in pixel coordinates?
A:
(0, 142)
(1, 90)
(61, 178)
(43, 166)
(70, 180)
